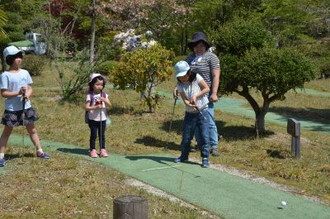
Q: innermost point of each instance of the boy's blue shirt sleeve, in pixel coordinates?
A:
(29, 78)
(3, 81)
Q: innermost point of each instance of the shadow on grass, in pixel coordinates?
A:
(234, 133)
(153, 142)
(279, 154)
(163, 160)
(309, 114)
(176, 126)
(79, 151)
(275, 154)
(17, 155)
(230, 133)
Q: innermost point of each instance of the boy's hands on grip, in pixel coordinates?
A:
(175, 93)
(23, 91)
(192, 103)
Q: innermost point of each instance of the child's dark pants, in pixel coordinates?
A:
(95, 130)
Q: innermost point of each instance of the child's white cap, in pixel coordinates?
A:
(181, 68)
(94, 75)
(10, 51)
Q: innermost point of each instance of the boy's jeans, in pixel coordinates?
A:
(213, 131)
(191, 122)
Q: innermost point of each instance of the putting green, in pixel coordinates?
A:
(218, 192)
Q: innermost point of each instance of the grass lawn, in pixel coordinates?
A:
(66, 187)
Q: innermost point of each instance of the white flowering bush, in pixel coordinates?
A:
(129, 41)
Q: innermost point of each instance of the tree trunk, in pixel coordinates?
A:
(260, 123)
(260, 112)
(91, 57)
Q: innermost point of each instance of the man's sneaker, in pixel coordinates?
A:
(103, 153)
(180, 159)
(93, 153)
(2, 162)
(42, 155)
(205, 162)
(215, 152)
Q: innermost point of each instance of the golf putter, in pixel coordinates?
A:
(175, 99)
(100, 135)
(23, 115)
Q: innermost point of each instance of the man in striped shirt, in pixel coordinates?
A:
(207, 65)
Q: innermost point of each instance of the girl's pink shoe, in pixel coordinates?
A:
(103, 153)
(93, 153)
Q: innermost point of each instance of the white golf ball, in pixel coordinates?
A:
(283, 203)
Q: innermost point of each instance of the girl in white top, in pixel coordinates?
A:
(96, 103)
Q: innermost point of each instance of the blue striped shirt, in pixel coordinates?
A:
(204, 65)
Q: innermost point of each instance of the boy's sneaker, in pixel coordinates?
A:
(103, 153)
(2, 162)
(215, 152)
(205, 162)
(180, 159)
(93, 153)
(42, 155)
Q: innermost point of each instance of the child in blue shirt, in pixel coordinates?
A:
(15, 85)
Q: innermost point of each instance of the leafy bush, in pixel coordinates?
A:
(325, 70)
(34, 64)
(144, 69)
(106, 68)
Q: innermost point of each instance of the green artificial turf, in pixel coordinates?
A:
(219, 192)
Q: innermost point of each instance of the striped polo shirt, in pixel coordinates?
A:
(204, 65)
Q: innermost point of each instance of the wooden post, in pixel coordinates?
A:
(130, 207)
(293, 128)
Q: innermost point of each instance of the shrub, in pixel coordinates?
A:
(34, 64)
(106, 68)
(325, 70)
(144, 69)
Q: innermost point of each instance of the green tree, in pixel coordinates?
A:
(61, 27)
(207, 14)
(144, 69)
(269, 71)
(251, 63)
(292, 20)
(3, 20)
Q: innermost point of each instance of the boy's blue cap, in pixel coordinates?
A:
(181, 68)
(10, 51)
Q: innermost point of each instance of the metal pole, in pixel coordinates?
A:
(23, 116)
(169, 130)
